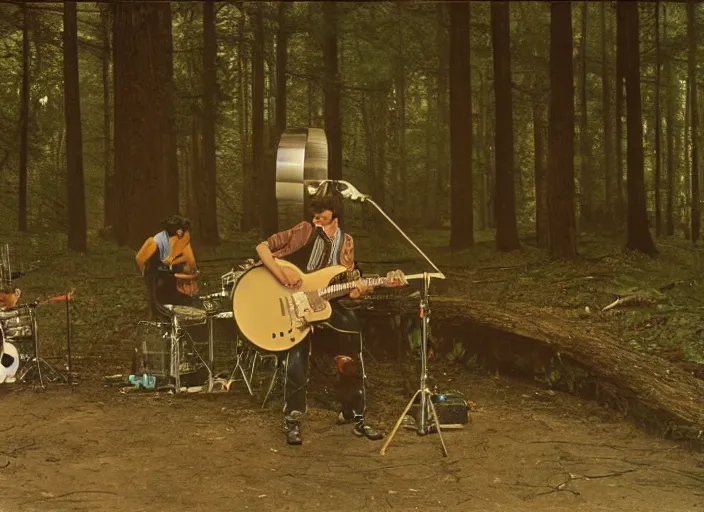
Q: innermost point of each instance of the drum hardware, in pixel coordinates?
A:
(19, 325)
(182, 316)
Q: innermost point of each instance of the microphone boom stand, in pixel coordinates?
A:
(427, 408)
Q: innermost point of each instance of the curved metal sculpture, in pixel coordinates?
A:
(302, 156)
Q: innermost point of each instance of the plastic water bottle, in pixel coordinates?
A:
(148, 381)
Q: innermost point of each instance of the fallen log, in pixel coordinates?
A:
(581, 358)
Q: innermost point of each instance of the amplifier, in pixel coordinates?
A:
(452, 409)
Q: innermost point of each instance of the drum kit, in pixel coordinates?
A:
(19, 344)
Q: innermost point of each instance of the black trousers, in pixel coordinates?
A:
(347, 349)
(161, 289)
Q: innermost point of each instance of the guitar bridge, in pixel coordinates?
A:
(302, 303)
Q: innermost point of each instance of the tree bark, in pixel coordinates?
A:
(443, 119)
(608, 119)
(461, 193)
(24, 122)
(259, 171)
(694, 113)
(74, 141)
(208, 187)
(401, 179)
(109, 199)
(638, 235)
(560, 178)
(540, 151)
(658, 126)
(331, 90)
(145, 143)
(281, 66)
(505, 204)
(652, 393)
(620, 66)
(670, 134)
(585, 158)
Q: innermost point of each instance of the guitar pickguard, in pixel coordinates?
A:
(301, 304)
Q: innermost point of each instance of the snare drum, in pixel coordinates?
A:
(19, 323)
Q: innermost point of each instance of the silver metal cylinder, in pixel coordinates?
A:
(302, 155)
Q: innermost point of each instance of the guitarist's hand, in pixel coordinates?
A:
(395, 279)
(361, 289)
(290, 279)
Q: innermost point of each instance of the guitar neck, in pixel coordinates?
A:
(339, 290)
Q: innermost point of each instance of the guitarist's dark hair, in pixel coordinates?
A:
(326, 202)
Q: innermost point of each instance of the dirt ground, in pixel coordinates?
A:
(96, 449)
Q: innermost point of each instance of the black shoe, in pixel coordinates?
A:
(293, 434)
(361, 429)
(292, 427)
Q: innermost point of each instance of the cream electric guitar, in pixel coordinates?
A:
(275, 318)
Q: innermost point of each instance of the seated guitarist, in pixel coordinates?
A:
(311, 247)
(168, 265)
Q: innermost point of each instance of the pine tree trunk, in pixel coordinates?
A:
(331, 90)
(109, 199)
(461, 193)
(208, 212)
(258, 165)
(638, 235)
(658, 126)
(74, 140)
(670, 133)
(560, 177)
(24, 122)
(585, 158)
(608, 120)
(694, 113)
(505, 205)
(145, 143)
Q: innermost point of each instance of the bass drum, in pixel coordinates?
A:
(9, 362)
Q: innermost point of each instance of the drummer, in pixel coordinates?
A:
(168, 265)
(9, 298)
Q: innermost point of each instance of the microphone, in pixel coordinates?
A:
(345, 188)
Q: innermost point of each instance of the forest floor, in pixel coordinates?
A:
(526, 448)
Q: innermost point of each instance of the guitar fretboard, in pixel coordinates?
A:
(338, 290)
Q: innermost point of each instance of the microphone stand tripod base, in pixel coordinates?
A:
(423, 429)
(426, 402)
